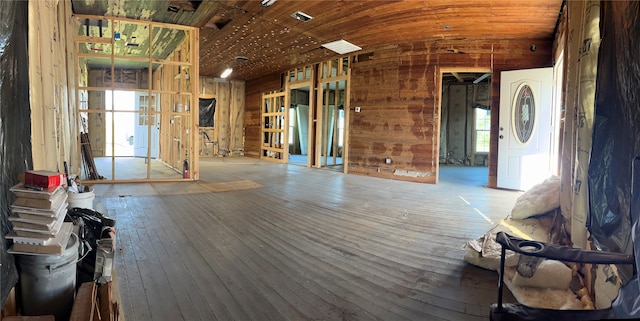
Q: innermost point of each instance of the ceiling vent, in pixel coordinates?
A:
(301, 16)
(341, 46)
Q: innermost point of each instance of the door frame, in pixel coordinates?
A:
(438, 102)
(300, 84)
(322, 118)
(319, 117)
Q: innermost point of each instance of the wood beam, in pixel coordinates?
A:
(455, 74)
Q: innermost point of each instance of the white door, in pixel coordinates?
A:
(144, 104)
(524, 139)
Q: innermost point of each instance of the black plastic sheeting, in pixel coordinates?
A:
(15, 121)
(207, 111)
(616, 134)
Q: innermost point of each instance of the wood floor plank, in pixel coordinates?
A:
(304, 244)
(126, 263)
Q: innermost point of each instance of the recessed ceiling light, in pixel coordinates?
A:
(301, 16)
(341, 46)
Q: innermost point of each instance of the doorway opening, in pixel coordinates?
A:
(332, 134)
(299, 126)
(120, 126)
(315, 126)
(465, 123)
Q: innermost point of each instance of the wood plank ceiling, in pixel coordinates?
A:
(274, 41)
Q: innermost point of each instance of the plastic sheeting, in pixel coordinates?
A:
(15, 123)
(627, 304)
(207, 111)
(616, 132)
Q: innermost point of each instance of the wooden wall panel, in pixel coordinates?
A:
(208, 145)
(51, 32)
(396, 88)
(236, 118)
(229, 116)
(397, 91)
(168, 147)
(222, 110)
(176, 144)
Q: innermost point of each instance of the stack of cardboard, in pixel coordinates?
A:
(37, 216)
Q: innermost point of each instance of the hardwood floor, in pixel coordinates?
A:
(302, 244)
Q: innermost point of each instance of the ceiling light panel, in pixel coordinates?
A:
(301, 16)
(341, 46)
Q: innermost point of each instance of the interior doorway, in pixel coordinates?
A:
(300, 130)
(316, 122)
(465, 122)
(331, 113)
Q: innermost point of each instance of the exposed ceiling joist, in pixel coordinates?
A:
(455, 74)
(481, 78)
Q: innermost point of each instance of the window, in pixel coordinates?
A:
(524, 114)
(482, 126)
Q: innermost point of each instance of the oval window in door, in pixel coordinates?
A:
(524, 113)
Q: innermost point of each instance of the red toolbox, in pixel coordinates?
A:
(44, 179)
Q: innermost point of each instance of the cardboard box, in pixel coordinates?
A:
(44, 179)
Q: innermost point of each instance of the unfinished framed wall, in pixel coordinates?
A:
(222, 135)
(208, 118)
(333, 113)
(274, 120)
(311, 124)
(138, 96)
(299, 85)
